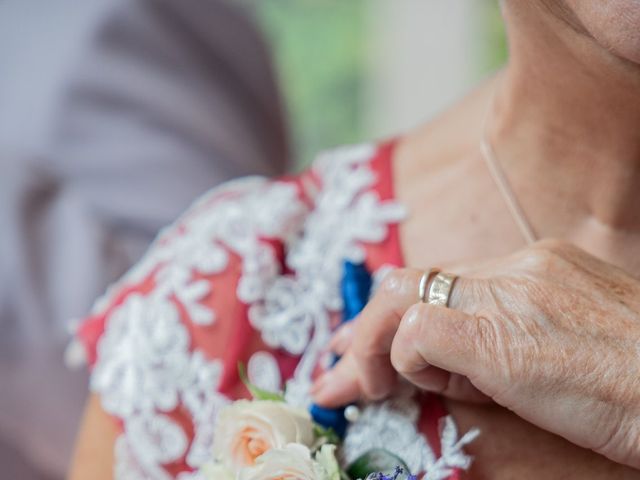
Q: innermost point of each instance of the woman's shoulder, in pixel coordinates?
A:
(256, 229)
(249, 274)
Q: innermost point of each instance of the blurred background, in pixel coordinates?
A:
(115, 114)
(358, 70)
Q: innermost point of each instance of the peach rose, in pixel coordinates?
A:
(245, 430)
(293, 462)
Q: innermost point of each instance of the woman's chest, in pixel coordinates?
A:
(457, 216)
(456, 219)
(510, 448)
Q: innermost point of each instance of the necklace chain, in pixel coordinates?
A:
(502, 183)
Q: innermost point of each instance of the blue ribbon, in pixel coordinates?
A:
(356, 288)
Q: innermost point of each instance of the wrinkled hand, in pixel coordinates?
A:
(550, 332)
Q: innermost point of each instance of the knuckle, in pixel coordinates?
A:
(392, 280)
(548, 256)
(552, 249)
(541, 256)
(412, 325)
(399, 281)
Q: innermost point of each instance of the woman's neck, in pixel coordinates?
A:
(565, 124)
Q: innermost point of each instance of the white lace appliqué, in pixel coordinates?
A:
(452, 455)
(147, 366)
(295, 311)
(392, 425)
(264, 373)
(145, 363)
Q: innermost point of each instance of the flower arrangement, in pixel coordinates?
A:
(267, 439)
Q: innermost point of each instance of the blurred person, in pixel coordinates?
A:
(535, 343)
(115, 115)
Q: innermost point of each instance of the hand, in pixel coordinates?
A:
(550, 332)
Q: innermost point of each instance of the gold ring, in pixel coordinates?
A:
(440, 289)
(424, 283)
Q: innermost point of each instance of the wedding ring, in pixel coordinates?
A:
(424, 283)
(440, 289)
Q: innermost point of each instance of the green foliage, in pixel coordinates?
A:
(497, 50)
(325, 435)
(256, 392)
(321, 50)
(320, 53)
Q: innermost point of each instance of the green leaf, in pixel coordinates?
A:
(344, 476)
(374, 461)
(325, 435)
(256, 392)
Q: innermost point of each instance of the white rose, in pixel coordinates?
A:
(247, 429)
(216, 471)
(293, 462)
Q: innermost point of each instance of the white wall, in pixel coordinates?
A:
(424, 55)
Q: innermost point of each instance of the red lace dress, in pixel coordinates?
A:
(251, 273)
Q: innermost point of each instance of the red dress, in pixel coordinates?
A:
(251, 273)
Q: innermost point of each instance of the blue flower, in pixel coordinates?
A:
(394, 476)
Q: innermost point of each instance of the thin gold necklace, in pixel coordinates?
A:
(502, 182)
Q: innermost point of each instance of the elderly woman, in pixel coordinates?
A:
(538, 348)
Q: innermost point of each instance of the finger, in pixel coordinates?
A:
(375, 328)
(447, 384)
(409, 363)
(338, 386)
(342, 339)
(368, 371)
(431, 343)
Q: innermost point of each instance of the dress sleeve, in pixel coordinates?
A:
(164, 343)
(251, 273)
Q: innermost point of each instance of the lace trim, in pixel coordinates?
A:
(264, 373)
(294, 314)
(453, 456)
(392, 425)
(145, 365)
(126, 467)
(233, 218)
